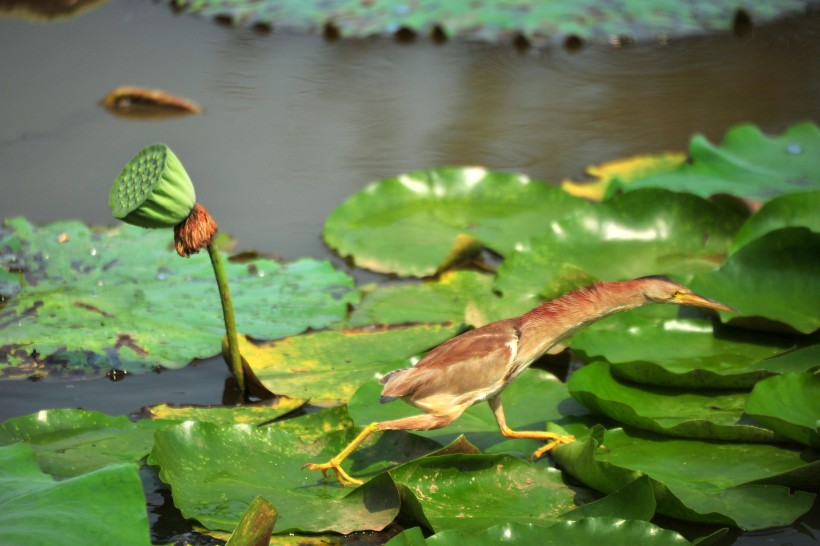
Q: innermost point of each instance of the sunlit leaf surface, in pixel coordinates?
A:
(83, 300)
(747, 164)
(659, 345)
(332, 364)
(421, 222)
(251, 414)
(688, 414)
(697, 480)
(774, 277)
(491, 20)
(649, 232)
(790, 405)
(623, 171)
(35, 509)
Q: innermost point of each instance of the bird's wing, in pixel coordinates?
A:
(468, 367)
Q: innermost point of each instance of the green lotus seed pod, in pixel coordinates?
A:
(153, 190)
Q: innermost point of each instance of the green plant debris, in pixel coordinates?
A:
(94, 299)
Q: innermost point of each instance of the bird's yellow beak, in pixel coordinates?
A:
(689, 298)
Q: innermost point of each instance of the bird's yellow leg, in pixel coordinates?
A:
(552, 438)
(335, 463)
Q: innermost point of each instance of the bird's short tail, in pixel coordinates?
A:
(385, 380)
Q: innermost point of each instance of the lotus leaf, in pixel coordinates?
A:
(456, 296)
(93, 299)
(216, 471)
(694, 480)
(746, 164)
(252, 414)
(419, 223)
(773, 277)
(790, 405)
(331, 365)
(531, 400)
(595, 530)
(646, 232)
(623, 171)
(790, 210)
(37, 510)
(71, 442)
(490, 20)
(657, 346)
(671, 412)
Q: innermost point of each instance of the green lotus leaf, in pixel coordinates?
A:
(541, 23)
(216, 471)
(94, 299)
(790, 210)
(251, 414)
(774, 278)
(594, 530)
(71, 442)
(419, 223)
(671, 412)
(474, 491)
(657, 346)
(746, 164)
(332, 364)
(312, 426)
(456, 296)
(741, 484)
(647, 232)
(530, 401)
(635, 501)
(790, 405)
(106, 506)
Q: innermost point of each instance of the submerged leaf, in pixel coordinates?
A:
(106, 506)
(94, 299)
(415, 224)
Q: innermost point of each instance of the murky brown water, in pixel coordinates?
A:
(294, 124)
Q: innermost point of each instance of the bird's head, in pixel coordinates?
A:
(659, 289)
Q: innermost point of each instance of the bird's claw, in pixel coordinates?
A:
(336, 467)
(554, 442)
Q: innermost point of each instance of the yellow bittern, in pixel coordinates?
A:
(477, 365)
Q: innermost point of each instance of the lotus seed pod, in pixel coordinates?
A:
(153, 190)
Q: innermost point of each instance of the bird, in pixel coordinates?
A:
(479, 364)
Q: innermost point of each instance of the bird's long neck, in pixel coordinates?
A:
(550, 322)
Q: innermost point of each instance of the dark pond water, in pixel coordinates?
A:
(294, 124)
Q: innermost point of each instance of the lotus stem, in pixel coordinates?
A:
(227, 313)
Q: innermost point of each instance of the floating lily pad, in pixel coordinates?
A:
(456, 296)
(657, 346)
(671, 412)
(541, 23)
(693, 480)
(746, 164)
(641, 233)
(790, 405)
(596, 530)
(790, 210)
(93, 299)
(216, 471)
(251, 414)
(71, 442)
(422, 222)
(773, 277)
(332, 364)
(106, 506)
(530, 401)
(622, 171)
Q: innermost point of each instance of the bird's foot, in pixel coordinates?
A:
(551, 444)
(336, 467)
